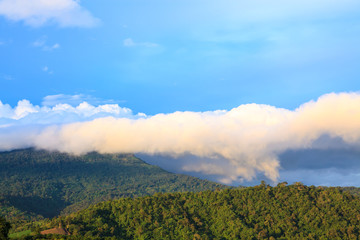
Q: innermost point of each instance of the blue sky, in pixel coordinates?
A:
(184, 55)
(233, 91)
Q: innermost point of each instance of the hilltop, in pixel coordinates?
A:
(40, 184)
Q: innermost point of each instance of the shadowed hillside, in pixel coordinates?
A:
(38, 184)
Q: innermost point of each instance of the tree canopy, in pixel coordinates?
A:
(4, 228)
(41, 184)
(260, 212)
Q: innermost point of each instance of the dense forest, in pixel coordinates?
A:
(135, 200)
(40, 184)
(353, 190)
(260, 212)
(4, 228)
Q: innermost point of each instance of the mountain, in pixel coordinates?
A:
(260, 212)
(40, 184)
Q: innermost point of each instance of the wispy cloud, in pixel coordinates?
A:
(47, 70)
(42, 43)
(52, 47)
(36, 13)
(6, 77)
(128, 42)
(74, 100)
(5, 42)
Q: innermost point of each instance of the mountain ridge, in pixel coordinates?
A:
(37, 184)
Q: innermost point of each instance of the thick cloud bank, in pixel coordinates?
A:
(234, 145)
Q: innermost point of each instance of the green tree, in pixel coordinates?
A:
(4, 228)
(260, 212)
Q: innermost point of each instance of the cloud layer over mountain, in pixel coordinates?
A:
(232, 145)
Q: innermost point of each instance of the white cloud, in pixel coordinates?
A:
(52, 100)
(5, 110)
(47, 70)
(23, 109)
(74, 100)
(41, 43)
(36, 13)
(52, 111)
(128, 42)
(52, 47)
(234, 145)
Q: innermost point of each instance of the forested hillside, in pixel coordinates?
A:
(353, 190)
(261, 212)
(38, 184)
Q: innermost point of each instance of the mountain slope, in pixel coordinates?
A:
(261, 212)
(36, 184)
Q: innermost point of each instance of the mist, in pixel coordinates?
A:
(231, 146)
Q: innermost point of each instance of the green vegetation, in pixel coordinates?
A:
(261, 212)
(353, 190)
(20, 234)
(40, 184)
(4, 228)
